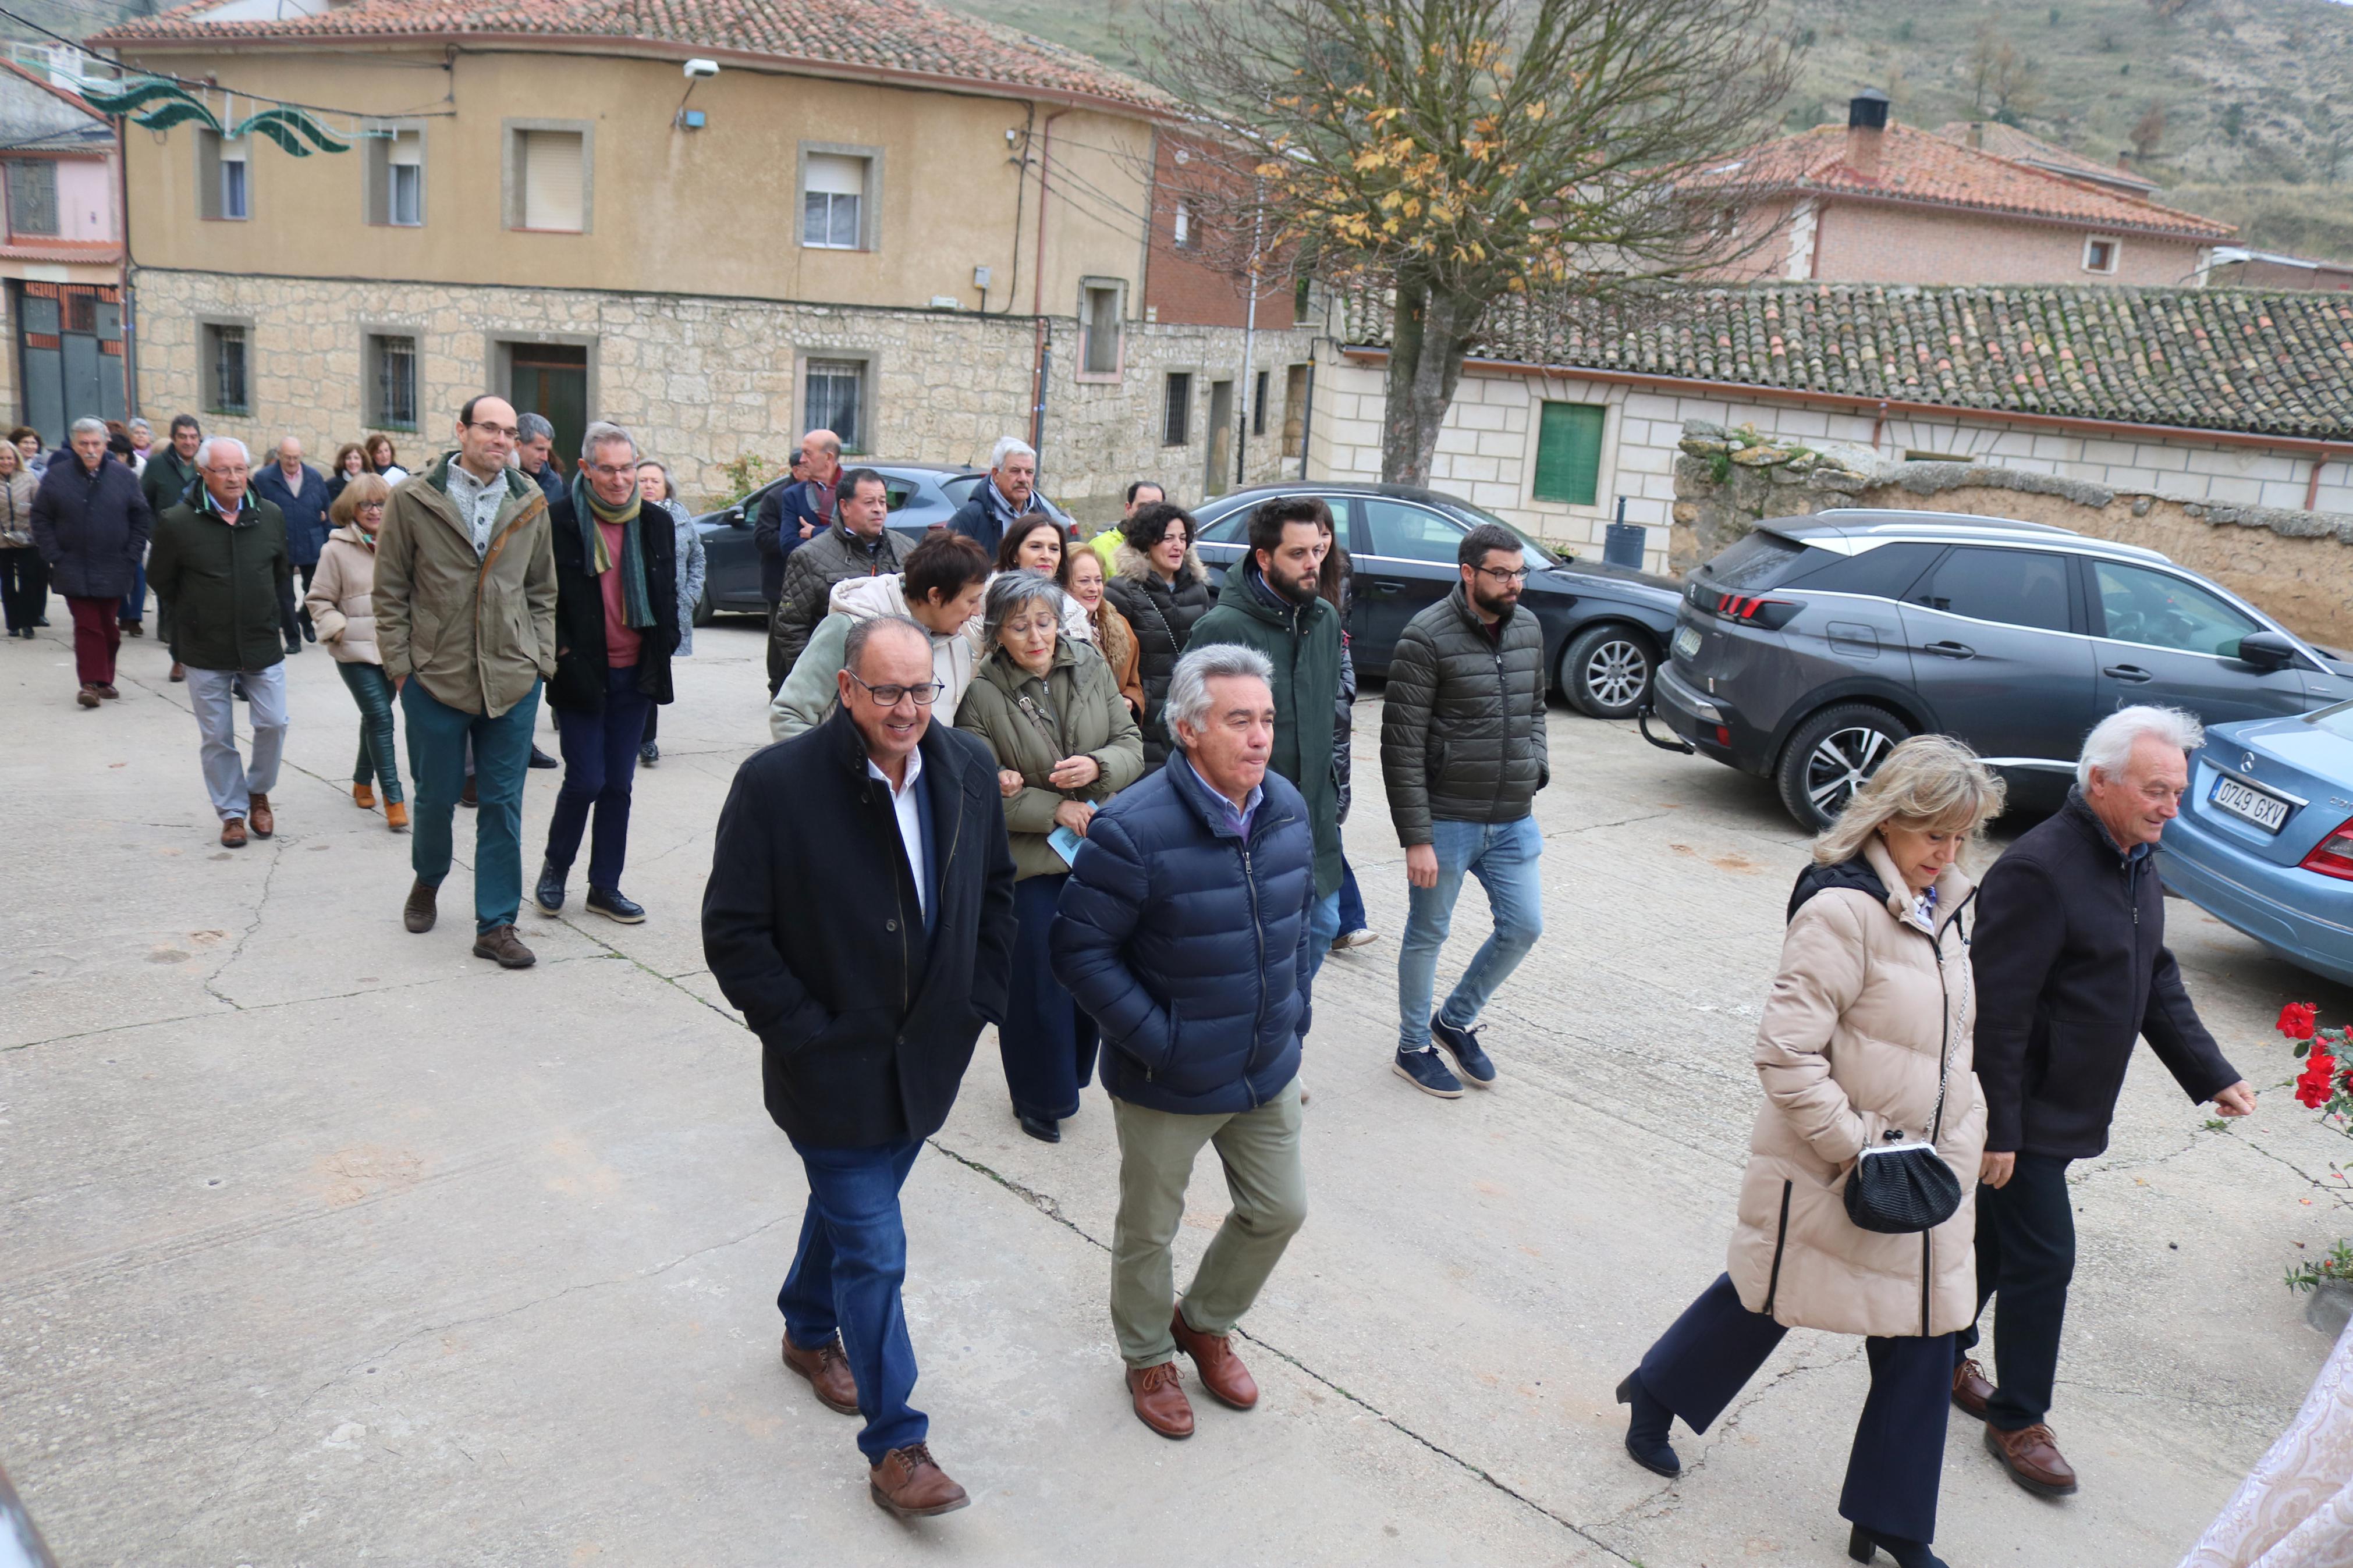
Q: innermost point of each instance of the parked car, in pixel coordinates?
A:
(2264, 841)
(1605, 627)
(1806, 649)
(923, 496)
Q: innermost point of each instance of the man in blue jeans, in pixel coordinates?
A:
(465, 619)
(1463, 754)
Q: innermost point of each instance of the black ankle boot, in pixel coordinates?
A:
(1646, 1434)
(1866, 1543)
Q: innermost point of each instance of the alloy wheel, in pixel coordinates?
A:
(1841, 762)
(1616, 673)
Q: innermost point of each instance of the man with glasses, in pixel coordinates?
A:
(1462, 755)
(893, 827)
(465, 620)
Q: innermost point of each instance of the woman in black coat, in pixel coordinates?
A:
(1162, 589)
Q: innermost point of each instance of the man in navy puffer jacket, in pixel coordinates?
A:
(1183, 933)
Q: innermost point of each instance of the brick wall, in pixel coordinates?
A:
(1867, 242)
(1185, 285)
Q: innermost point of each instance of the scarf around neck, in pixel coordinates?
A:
(637, 608)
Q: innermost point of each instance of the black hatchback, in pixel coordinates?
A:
(1808, 648)
(1605, 627)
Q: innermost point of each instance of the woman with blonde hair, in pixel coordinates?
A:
(342, 602)
(1857, 1212)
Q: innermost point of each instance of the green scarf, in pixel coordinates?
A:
(636, 607)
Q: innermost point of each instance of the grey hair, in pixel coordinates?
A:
(205, 451)
(88, 427)
(1928, 780)
(853, 646)
(602, 433)
(141, 424)
(1010, 447)
(533, 428)
(1188, 687)
(1007, 592)
(2109, 745)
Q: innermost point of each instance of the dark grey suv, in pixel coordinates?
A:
(1804, 651)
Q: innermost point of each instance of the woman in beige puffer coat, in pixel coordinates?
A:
(1864, 1041)
(342, 602)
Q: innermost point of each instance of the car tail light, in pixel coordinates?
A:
(2332, 855)
(1770, 614)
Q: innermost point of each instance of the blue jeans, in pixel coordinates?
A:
(846, 1278)
(1504, 856)
(1322, 929)
(600, 761)
(437, 736)
(1352, 899)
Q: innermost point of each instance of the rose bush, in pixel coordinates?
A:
(2326, 1085)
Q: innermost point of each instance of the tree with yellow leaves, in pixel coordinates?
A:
(1456, 153)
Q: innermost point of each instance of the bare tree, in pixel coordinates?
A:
(2017, 84)
(2149, 131)
(1453, 153)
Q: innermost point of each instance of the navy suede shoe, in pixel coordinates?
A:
(1646, 1434)
(549, 894)
(614, 905)
(1426, 1073)
(1462, 1045)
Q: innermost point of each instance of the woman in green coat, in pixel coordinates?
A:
(1065, 742)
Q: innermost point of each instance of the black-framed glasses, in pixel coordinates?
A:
(508, 431)
(925, 693)
(1504, 575)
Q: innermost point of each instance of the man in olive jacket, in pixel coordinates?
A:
(220, 558)
(465, 619)
(1462, 755)
(1269, 604)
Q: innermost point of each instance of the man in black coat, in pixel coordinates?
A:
(2070, 965)
(789, 518)
(859, 913)
(91, 525)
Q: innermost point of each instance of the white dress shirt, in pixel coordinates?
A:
(911, 822)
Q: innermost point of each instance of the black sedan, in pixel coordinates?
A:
(923, 497)
(1605, 627)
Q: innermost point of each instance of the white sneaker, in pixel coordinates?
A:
(1358, 938)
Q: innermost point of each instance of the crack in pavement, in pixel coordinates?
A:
(1046, 1206)
(260, 910)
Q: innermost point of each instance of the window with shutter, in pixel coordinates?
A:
(233, 201)
(832, 196)
(551, 181)
(1101, 356)
(404, 173)
(32, 197)
(1568, 452)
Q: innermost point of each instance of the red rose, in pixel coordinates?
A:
(2298, 1019)
(2315, 1085)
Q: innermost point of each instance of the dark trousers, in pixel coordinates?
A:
(373, 692)
(846, 1278)
(1715, 1347)
(1352, 899)
(24, 585)
(2026, 1255)
(293, 614)
(134, 602)
(777, 671)
(1048, 1041)
(600, 760)
(653, 712)
(98, 633)
(439, 737)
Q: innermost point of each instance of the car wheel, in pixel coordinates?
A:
(1830, 755)
(704, 610)
(1606, 671)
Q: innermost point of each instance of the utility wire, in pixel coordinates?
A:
(79, 48)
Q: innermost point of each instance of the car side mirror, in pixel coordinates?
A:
(2266, 650)
(735, 517)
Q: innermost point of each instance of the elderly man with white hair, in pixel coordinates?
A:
(1010, 491)
(91, 525)
(2072, 967)
(220, 560)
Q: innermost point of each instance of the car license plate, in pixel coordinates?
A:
(1687, 643)
(2267, 812)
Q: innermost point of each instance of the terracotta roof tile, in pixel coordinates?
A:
(2009, 141)
(906, 37)
(1920, 167)
(2208, 359)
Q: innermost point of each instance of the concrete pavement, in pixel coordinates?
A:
(329, 1244)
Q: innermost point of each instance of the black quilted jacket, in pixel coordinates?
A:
(1463, 723)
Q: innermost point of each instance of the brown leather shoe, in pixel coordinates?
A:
(420, 913)
(179, 673)
(233, 832)
(396, 816)
(910, 1484)
(466, 796)
(109, 692)
(827, 1371)
(1159, 1397)
(2032, 1457)
(257, 812)
(363, 796)
(87, 696)
(502, 943)
(1970, 1389)
(1222, 1372)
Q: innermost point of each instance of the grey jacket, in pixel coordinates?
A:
(1463, 723)
(692, 569)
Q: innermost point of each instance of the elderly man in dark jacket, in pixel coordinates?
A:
(789, 517)
(893, 826)
(91, 525)
(1462, 755)
(1183, 933)
(2072, 967)
(857, 545)
(1007, 495)
(299, 491)
(221, 559)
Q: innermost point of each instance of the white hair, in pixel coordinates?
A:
(1188, 687)
(89, 426)
(205, 451)
(2109, 745)
(1010, 447)
(602, 434)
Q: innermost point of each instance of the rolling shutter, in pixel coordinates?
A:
(551, 180)
(1568, 453)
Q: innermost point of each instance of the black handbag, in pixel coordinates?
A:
(1900, 1188)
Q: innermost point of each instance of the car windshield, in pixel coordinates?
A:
(1464, 511)
(2336, 720)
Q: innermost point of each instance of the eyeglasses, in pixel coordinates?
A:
(509, 431)
(610, 472)
(925, 693)
(1500, 575)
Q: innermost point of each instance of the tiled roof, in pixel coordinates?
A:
(890, 37)
(1920, 167)
(2277, 363)
(2009, 141)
